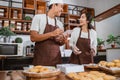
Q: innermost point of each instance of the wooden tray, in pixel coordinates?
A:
(109, 70)
(92, 66)
(42, 74)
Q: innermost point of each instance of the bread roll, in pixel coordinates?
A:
(108, 77)
(37, 67)
(110, 64)
(102, 63)
(34, 70)
(117, 65)
(91, 76)
(82, 73)
(98, 74)
(116, 61)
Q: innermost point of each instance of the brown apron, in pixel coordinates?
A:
(47, 52)
(86, 56)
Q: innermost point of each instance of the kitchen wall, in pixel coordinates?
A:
(102, 5)
(110, 25)
(75, 2)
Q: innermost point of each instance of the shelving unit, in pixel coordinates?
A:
(5, 3)
(29, 4)
(4, 12)
(16, 3)
(40, 7)
(22, 32)
(16, 14)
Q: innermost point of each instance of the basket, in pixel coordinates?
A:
(115, 71)
(51, 75)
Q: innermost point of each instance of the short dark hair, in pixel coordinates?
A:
(51, 6)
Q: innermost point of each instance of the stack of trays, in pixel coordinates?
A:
(67, 68)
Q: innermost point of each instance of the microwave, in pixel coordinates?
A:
(11, 49)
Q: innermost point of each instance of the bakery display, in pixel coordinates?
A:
(92, 75)
(112, 67)
(40, 72)
(114, 63)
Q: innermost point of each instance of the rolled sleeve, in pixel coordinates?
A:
(35, 23)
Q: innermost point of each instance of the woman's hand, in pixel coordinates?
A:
(76, 51)
(93, 52)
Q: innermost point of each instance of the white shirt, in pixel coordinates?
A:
(39, 23)
(51, 21)
(75, 36)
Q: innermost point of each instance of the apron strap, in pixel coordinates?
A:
(47, 19)
(88, 34)
(55, 21)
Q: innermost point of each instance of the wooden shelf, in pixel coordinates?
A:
(15, 13)
(17, 20)
(32, 7)
(102, 50)
(23, 21)
(29, 4)
(4, 12)
(40, 7)
(21, 32)
(74, 16)
(29, 11)
(4, 22)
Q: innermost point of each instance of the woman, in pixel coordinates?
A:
(83, 41)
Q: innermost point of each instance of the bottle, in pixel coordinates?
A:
(28, 50)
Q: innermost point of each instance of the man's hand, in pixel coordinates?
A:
(57, 32)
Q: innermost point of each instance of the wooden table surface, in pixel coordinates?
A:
(2, 57)
(17, 75)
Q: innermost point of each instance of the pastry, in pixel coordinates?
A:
(34, 70)
(38, 69)
(98, 74)
(108, 77)
(102, 63)
(91, 76)
(110, 64)
(116, 61)
(117, 65)
(82, 73)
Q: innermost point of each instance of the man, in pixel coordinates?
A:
(46, 32)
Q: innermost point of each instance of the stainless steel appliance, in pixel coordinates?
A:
(11, 49)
